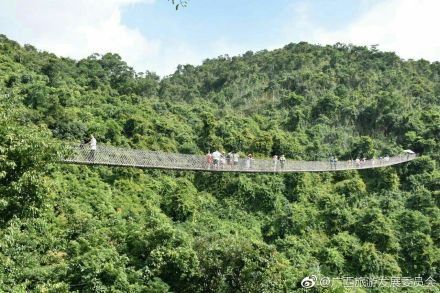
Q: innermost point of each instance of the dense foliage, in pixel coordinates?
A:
(97, 229)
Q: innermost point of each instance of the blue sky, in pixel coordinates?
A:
(152, 35)
(251, 24)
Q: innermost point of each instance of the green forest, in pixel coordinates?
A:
(72, 228)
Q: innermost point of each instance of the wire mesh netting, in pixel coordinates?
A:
(116, 156)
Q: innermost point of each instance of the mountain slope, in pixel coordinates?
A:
(86, 229)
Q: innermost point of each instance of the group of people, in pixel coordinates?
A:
(361, 162)
(358, 162)
(218, 159)
(281, 159)
(333, 162)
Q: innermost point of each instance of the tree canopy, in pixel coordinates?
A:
(67, 228)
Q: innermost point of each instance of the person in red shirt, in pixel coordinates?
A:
(209, 159)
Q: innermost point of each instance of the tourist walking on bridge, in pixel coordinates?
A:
(92, 148)
(333, 161)
(229, 158)
(216, 156)
(282, 161)
(248, 161)
(235, 157)
(209, 159)
(275, 162)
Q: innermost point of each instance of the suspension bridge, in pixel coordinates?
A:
(125, 157)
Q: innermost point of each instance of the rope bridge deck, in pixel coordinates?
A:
(125, 157)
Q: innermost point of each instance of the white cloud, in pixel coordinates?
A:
(77, 28)
(407, 27)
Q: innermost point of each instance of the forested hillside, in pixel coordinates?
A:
(98, 229)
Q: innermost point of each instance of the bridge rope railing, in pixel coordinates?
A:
(126, 157)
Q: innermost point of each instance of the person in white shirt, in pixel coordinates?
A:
(235, 157)
(216, 156)
(92, 148)
(229, 158)
(282, 161)
(248, 161)
(275, 162)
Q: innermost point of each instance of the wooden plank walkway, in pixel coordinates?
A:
(125, 157)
